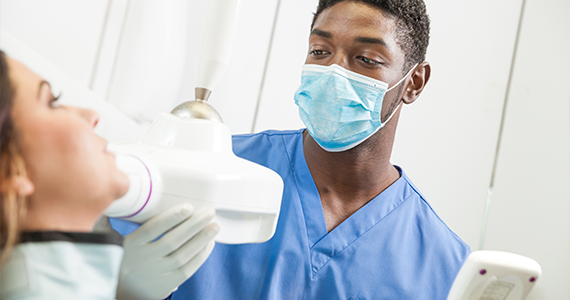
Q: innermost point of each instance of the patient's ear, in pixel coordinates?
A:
(21, 184)
(24, 186)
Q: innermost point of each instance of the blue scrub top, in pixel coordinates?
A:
(395, 247)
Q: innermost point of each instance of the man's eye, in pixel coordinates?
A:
(318, 52)
(368, 60)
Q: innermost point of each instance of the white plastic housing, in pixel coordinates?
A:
(495, 275)
(191, 160)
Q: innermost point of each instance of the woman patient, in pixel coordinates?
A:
(56, 179)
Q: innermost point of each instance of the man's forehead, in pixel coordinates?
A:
(361, 18)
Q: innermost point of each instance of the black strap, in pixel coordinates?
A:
(73, 237)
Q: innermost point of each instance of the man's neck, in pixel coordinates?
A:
(348, 180)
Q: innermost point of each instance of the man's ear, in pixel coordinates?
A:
(21, 184)
(418, 80)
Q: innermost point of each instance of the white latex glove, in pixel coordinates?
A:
(153, 270)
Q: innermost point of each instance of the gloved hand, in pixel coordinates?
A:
(154, 269)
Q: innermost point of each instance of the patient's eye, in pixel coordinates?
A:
(53, 102)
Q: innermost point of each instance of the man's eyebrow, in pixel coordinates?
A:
(321, 33)
(40, 86)
(370, 40)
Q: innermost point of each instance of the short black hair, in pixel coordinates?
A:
(412, 25)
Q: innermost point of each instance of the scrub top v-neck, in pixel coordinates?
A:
(394, 247)
(324, 245)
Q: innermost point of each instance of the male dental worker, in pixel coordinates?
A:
(352, 225)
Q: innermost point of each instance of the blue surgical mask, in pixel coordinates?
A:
(340, 108)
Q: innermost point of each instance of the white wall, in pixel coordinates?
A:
(446, 141)
(65, 32)
(530, 214)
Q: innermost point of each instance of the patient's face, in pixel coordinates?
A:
(67, 162)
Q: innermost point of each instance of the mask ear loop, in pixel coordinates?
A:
(393, 113)
(395, 85)
(405, 76)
